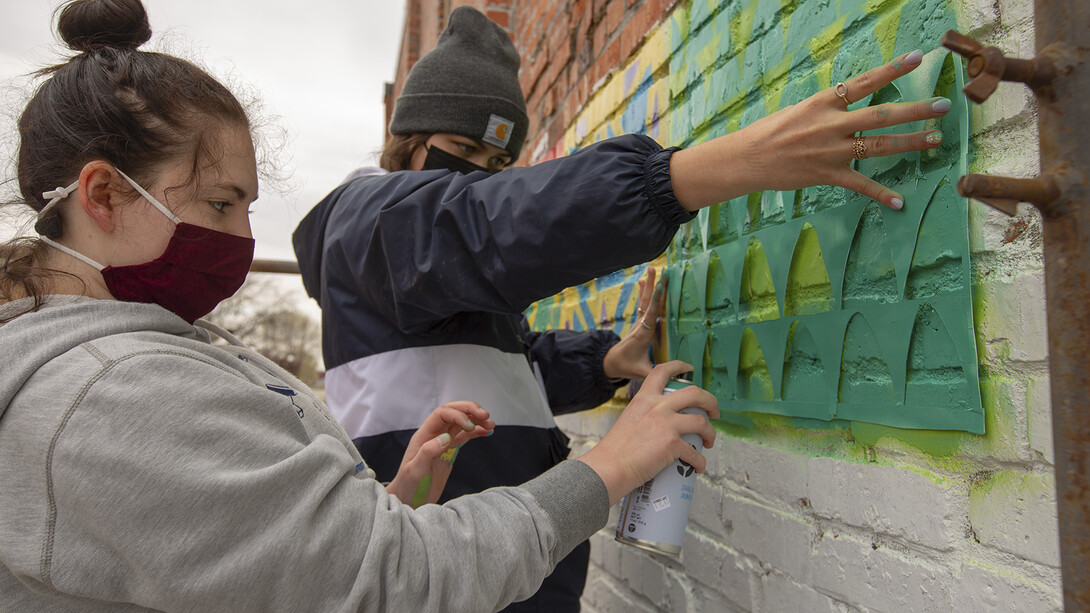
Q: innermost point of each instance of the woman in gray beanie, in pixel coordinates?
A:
(422, 276)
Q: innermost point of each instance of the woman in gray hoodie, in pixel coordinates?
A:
(145, 468)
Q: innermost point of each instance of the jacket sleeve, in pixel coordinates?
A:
(204, 492)
(571, 367)
(421, 246)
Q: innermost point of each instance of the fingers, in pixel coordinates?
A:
(892, 144)
(876, 78)
(464, 414)
(892, 114)
(870, 188)
(659, 375)
(644, 301)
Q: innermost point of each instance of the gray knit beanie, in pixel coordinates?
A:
(468, 85)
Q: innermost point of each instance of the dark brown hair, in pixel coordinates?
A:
(137, 110)
(398, 151)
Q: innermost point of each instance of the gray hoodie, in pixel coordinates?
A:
(142, 467)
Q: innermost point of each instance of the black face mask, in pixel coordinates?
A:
(438, 159)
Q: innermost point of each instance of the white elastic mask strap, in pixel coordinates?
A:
(71, 252)
(150, 198)
(56, 196)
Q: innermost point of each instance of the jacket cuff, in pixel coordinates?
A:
(575, 499)
(659, 191)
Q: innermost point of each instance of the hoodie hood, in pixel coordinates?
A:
(64, 322)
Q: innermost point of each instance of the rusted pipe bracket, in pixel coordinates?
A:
(1004, 193)
(285, 267)
(988, 66)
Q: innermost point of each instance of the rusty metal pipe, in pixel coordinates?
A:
(1005, 193)
(287, 267)
(1065, 153)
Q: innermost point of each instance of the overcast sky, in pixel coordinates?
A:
(317, 66)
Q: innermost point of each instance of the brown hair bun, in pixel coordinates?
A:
(85, 25)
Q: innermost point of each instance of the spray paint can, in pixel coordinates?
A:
(654, 515)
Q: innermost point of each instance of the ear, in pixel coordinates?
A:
(99, 193)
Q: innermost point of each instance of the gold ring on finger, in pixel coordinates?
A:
(859, 148)
(842, 91)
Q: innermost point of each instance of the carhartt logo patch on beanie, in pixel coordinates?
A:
(467, 85)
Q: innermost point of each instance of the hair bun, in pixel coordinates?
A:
(89, 24)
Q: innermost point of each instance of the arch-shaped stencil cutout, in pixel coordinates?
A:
(864, 372)
(764, 209)
(803, 371)
(937, 262)
(869, 274)
(690, 315)
(757, 300)
(723, 225)
(808, 288)
(719, 305)
(935, 376)
(754, 379)
(716, 370)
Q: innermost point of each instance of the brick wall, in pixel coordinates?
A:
(807, 515)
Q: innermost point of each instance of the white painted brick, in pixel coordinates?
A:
(981, 589)
(975, 16)
(643, 574)
(781, 594)
(1039, 399)
(707, 507)
(608, 553)
(1014, 322)
(679, 593)
(714, 602)
(855, 572)
(607, 596)
(775, 538)
(1016, 512)
(887, 500)
(715, 565)
(770, 472)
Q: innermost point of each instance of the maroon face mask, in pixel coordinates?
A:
(199, 268)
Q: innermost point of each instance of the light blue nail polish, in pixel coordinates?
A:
(897, 203)
(941, 105)
(914, 58)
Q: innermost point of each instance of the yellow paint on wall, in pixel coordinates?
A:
(885, 31)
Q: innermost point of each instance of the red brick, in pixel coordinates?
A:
(614, 15)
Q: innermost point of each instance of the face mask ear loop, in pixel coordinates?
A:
(150, 198)
(56, 196)
(73, 253)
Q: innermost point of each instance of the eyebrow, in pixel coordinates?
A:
(241, 193)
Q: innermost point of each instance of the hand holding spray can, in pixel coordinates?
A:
(654, 515)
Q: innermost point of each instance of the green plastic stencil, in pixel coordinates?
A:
(826, 305)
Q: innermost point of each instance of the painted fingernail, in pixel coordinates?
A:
(444, 438)
(940, 105)
(897, 203)
(934, 138)
(467, 424)
(491, 432)
(914, 58)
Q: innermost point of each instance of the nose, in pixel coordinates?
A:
(242, 227)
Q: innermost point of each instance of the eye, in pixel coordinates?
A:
(219, 205)
(467, 149)
(497, 163)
